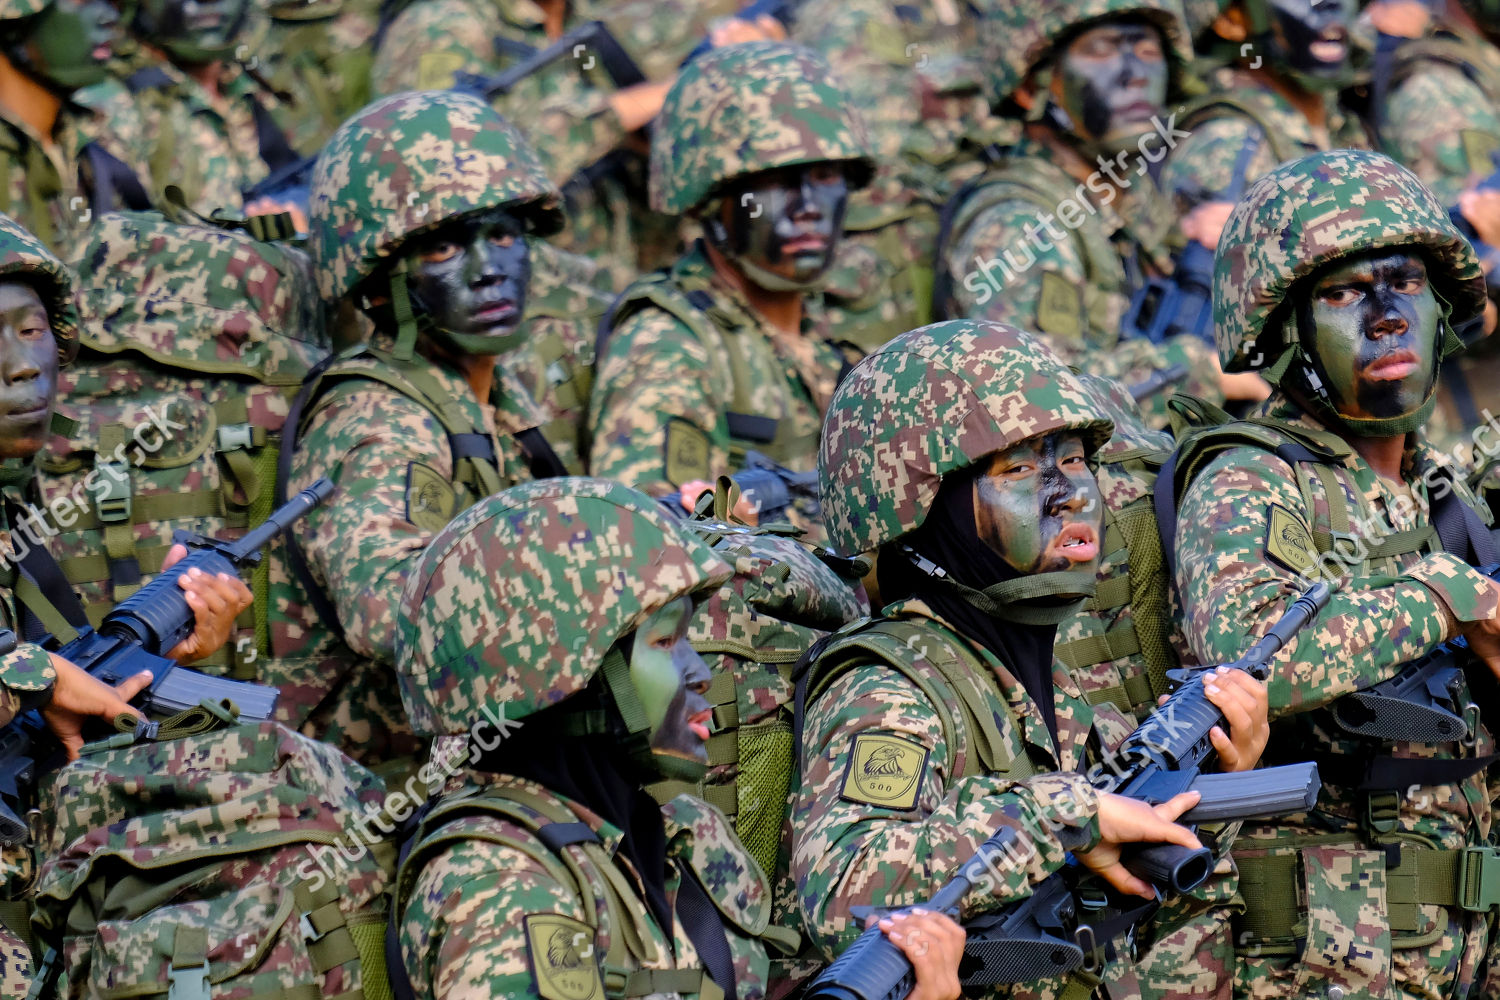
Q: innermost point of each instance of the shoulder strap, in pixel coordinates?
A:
(44, 600)
(1224, 105)
(111, 184)
(275, 152)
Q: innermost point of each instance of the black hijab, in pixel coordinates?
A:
(950, 538)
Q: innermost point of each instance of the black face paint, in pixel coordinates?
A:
(1310, 38)
(468, 279)
(1037, 505)
(1114, 80)
(28, 371)
(785, 225)
(193, 30)
(1373, 325)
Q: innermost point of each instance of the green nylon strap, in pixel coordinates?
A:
(95, 566)
(1080, 985)
(119, 532)
(1132, 691)
(1091, 650)
(1005, 600)
(1272, 894)
(29, 594)
(401, 312)
(166, 507)
(1112, 594)
(1400, 543)
(188, 971)
(616, 671)
(647, 982)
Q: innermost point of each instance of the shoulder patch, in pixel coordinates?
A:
(1059, 309)
(563, 961)
(1288, 542)
(884, 771)
(685, 454)
(431, 500)
(436, 70)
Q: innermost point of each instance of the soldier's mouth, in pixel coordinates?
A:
(699, 724)
(1393, 367)
(1077, 542)
(1332, 46)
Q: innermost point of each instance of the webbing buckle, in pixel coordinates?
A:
(1382, 811)
(1479, 879)
(190, 983)
(310, 934)
(236, 437)
(113, 501)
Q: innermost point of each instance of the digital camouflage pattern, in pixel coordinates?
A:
(261, 833)
(1006, 264)
(665, 390)
(1319, 209)
(24, 257)
(409, 163)
(471, 925)
(316, 57)
(1020, 35)
(1439, 118)
(747, 108)
(196, 338)
(581, 561)
(930, 402)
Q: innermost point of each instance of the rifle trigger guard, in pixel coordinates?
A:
(1471, 723)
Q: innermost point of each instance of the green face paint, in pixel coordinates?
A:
(668, 675)
(1114, 81)
(468, 279)
(1374, 335)
(70, 42)
(1038, 506)
(28, 371)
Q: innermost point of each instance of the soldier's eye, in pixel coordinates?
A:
(1339, 296)
(439, 252)
(1411, 284)
(1148, 50)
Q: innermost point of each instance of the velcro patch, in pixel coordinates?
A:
(884, 771)
(685, 456)
(1059, 309)
(1288, 542)
(563, 960)
(431, 500)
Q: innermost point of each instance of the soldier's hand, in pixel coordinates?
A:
(1244, 702)
(1206, 222)
(1486, 646)
(933, 943)
(216, 600)
(1481, 209)
(1244, 386)
(1401, 18)
(1124, 821)
(76, 696)
(737, 30)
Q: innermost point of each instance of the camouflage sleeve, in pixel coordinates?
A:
(26, 677)
(361, 543)
(1233, 589)
(464, 931)
(655, 419)
(428, 44)
(1440, 125)
(1201, 167)
(847, 852)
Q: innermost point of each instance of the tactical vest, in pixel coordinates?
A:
(1448, 50)
(574, 856)
(695, 308)
(1278, 890)
(1046, 187)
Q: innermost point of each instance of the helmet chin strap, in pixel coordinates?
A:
(1009, 600)
(1312, 374)
(631, 713)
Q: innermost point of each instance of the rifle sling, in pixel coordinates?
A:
(1385, 773)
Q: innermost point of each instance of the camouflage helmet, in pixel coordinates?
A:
(409, 163)
(745, 108)
(15, 10)
(515, 603)
(23, 256)
(1020, 35)
(1305, 214)
(931, 402)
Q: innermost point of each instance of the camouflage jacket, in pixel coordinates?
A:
(392, 464)
(1440, 118)
(666, 394)
(849, 849)
(1005, 263)
(319, 69)
(1200, 167)
(1245, 535)
(488, 917)
(209, 148)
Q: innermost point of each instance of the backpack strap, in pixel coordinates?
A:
(958, 678)
(44, 601)
(1231, 105)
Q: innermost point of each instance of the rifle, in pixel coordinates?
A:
(286, 183)
(1044, 934)
(1184, 303)
(135, 636)
(770, 487)
(1158, 380)
(593, 37)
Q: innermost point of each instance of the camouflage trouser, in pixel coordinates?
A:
(1191, 952)
(15, 956)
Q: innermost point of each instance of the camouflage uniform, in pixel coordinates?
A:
(484, 907)
(688, 365)
(564, 108)
(1252, 526)
(316, 57)
(26, 675)
(1073, 290)
(380, 421)
(857, 839)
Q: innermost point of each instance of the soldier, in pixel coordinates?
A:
(64, 163)
(958, 454)
(38, 333)
(1274, 70)
(420, 208)
(544, 869)
(727, 352)
(1091, 82)
(212, 130)
(315, 55)
(1340, 278)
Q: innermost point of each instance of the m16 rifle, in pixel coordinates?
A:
(1045, 934)
(770, 488)
(136, 636)
(591, 40)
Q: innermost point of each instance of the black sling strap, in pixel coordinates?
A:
(275, 151)
(1459, 527)
(540, 458)
(111, 184)
(38, 566)
(700, 918)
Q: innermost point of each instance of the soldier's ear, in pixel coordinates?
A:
(1231, 24)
